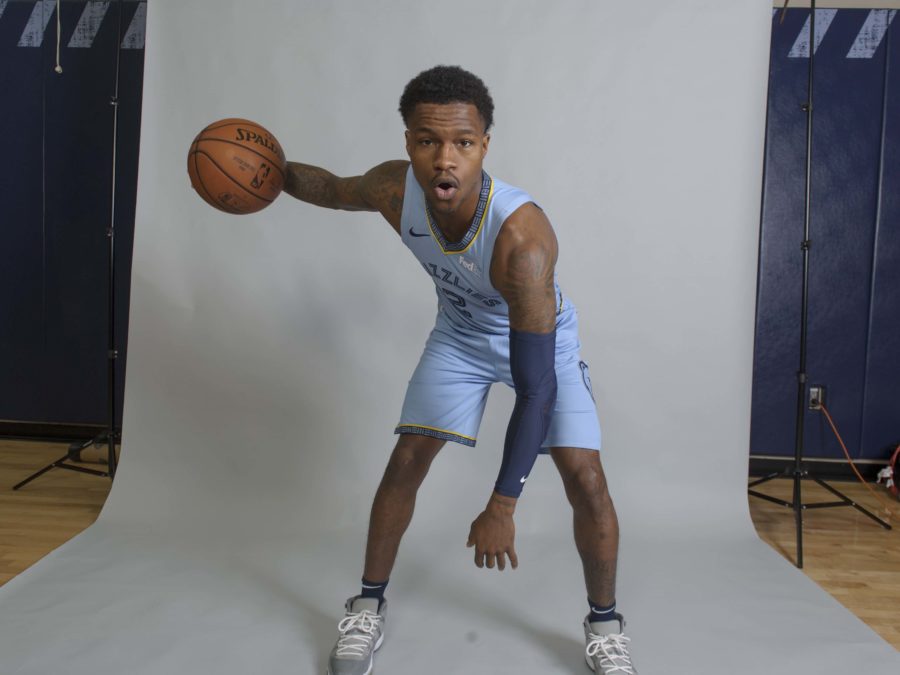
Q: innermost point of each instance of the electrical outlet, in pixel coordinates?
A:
(816, 397)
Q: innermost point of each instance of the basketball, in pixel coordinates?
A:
(237, 166)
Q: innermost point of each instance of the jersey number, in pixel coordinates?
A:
(458, 300)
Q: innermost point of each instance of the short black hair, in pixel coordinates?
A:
(447, 84)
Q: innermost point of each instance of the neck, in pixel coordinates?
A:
(455, 224)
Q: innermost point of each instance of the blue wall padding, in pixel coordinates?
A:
(57, 244)
(847, 151)
(21, 257)
(881, 410)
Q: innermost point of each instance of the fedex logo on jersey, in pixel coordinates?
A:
(469, 265)
(448, 277)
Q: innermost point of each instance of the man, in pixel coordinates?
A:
(490, 251)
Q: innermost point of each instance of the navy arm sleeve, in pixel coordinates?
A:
(532, 361)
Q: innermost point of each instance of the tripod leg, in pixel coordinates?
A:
(765, 479)
(41, 472)
(111, 456)
(850, 502)
(798, 516)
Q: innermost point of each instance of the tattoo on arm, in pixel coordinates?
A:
(396, 204)
(524, 276)
(379, 189)
(531, 291)
(311, 184)
(383, 187)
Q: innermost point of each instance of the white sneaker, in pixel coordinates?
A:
(362, 632)
(606, 650)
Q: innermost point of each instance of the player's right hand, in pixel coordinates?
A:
(493, 535)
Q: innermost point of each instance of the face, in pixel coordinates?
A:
(446, 144)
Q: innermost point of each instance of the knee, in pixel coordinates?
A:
(411, 460)
(587, 491)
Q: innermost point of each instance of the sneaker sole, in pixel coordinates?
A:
(371, 660)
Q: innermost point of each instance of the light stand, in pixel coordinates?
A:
(111, 434)
(799, 473)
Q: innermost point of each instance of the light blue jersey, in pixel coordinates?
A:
(461, 271)
(468, 350)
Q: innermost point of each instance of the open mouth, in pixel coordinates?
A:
(444, 189)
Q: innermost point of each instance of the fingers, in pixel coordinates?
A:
(498, 560)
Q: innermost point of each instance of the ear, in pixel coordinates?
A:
(485, 142)
(408, 148)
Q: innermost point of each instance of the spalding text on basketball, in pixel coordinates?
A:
(265, 141)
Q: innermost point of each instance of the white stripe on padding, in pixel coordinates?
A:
(824, 17)
(88, 25)
(871, 34)
(134, 38)
(33, 35)
(2, 6)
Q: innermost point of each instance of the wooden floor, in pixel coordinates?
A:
(851, 557)
(46, 513)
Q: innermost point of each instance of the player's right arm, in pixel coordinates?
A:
(379, 189)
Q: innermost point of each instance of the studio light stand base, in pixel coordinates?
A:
(805, 475)
(73, 454)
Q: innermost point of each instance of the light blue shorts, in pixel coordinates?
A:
(448, 390)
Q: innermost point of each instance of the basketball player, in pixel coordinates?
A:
(490, 251)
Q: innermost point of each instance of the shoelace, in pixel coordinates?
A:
(357, 631)
(614, 650)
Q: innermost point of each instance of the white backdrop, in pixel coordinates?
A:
(268, 357)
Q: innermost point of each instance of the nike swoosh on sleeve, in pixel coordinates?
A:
(416, 234)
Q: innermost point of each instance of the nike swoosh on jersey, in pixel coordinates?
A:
(416, 234)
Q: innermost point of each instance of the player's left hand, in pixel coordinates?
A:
(493, 535)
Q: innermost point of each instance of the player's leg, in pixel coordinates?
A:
(362, 628)
(395, 501)
(574, 439)
(444, 401)
(597, 540)
(595, 522)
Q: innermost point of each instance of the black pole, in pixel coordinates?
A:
(113, 353)
(804, 312)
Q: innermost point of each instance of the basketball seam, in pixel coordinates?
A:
(241, 145)
(199, 152)
(225, 207)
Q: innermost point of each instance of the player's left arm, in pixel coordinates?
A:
(522, 269)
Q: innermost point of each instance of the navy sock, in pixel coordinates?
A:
(599, 613)
(373, 589)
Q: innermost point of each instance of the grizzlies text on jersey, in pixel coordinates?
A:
(461, 270)
(468, 350)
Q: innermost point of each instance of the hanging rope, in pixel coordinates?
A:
(58, 68)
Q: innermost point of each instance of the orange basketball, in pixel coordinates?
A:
(236, 166)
